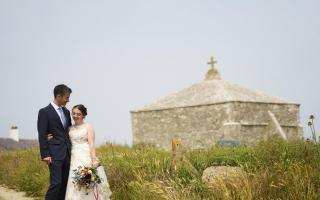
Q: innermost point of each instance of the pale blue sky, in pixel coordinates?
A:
(120, 55)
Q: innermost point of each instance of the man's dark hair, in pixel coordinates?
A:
(62, 90)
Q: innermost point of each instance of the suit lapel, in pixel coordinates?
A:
(54, 112)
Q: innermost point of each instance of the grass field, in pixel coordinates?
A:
(276, 170)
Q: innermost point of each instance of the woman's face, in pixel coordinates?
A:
(77, 115)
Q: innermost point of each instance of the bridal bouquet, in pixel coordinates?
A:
(86, 177)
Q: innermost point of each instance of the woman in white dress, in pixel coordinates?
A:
(83, 153)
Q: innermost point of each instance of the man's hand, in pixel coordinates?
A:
(47, 160)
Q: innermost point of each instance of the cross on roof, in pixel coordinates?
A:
(212, 62)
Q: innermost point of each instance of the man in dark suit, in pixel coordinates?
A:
(55, 149)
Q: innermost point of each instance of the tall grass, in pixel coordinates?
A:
(23, 170)
(276, 169)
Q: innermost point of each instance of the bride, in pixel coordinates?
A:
(83, 153)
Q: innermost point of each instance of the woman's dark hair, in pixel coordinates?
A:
(82, 109)
(61, 90)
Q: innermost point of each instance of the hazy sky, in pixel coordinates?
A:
(118, 56)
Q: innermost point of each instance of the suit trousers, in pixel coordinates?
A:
(59, 173)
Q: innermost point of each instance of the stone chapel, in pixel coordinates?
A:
(214, 110)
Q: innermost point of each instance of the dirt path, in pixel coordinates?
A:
(8, 194)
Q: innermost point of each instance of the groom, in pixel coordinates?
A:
(55, 119)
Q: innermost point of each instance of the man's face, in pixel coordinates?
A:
(63, 99)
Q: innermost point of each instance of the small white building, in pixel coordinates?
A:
(14, 133)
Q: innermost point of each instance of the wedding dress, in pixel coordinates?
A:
(80, 156)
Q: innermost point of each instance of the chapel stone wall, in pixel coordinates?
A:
(197, 126)
(202, 126)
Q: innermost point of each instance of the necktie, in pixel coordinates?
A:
(63, 117)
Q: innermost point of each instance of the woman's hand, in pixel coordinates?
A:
(95, 164)
(49, 136)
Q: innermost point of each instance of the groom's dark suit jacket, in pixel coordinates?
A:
(49, 122)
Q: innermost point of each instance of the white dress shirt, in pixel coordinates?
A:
(56, 107)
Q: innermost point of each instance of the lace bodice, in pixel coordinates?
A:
(80, 152)
(78, 134)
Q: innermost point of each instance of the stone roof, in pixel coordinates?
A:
(7, 144)
(212, 91)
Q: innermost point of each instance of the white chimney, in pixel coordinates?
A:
(14, 133)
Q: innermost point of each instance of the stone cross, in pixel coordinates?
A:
(212, 62)
(212, 72)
